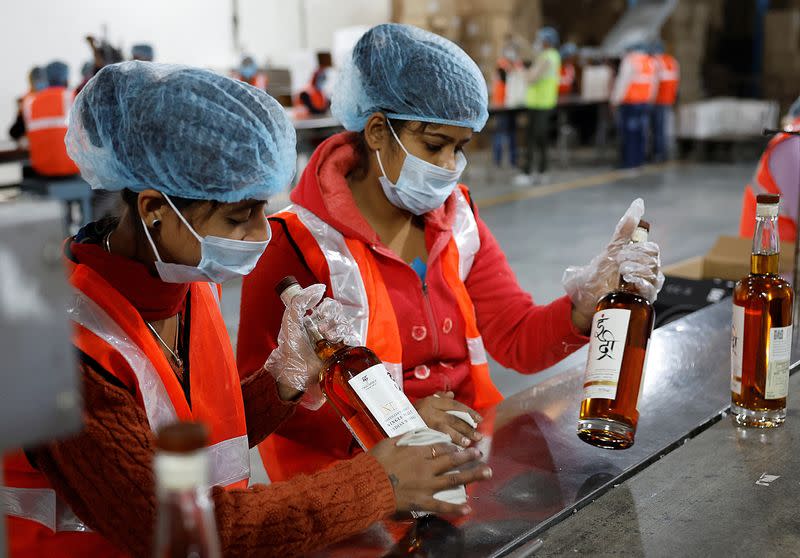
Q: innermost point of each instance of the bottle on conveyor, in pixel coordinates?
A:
(761, 332)
(619, 337)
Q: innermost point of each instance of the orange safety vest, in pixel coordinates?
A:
(668, 77)
(110, 331)
(641, 87)
(567, 80)
(351, 271)
(46, 117)
(765, 183)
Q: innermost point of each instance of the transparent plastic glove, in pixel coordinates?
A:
(587, 284)
(294, 362)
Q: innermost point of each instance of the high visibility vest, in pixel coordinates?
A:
(351, 270)
(641, 87)
(543, 94)
(46, 117)
(668, 77)
(764, 183)
(567, 79)
(111, 332)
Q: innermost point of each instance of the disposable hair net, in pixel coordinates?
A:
(57, 73)
(548, 34)
(143, 52)
(183, 131)
(794, 110)
(409, 74)
(568, 50)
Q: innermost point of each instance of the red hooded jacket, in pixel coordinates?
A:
(518, 333)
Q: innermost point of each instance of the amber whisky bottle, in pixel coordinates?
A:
(357, 384)
(761, 332)
(619, 337)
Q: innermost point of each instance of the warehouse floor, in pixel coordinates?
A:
(544, 229)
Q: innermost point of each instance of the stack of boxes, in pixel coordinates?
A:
(480, 27)
(781, 77)
(685, 35)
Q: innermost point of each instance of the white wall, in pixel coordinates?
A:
(197, 32)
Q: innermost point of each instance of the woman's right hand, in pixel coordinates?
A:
(419, 472)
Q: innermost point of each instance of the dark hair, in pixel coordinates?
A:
(362, 149)
(130, 199)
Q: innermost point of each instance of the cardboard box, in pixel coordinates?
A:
(729, 259)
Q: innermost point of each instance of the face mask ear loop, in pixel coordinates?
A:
(150, 239)
(380, 164)
(182, 218)
(391, 129)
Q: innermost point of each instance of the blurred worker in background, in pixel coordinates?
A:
(249, 73)
(634, 90)
(380, 218)
(777, 173)
(313, 99)
(37, 81)
(668, 79)
(142, 52)
(505, 133)
(152, 344)
(46, 116)
(569, 59)
(541, 99)
(87, 73)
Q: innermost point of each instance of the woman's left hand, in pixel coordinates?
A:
(433, 411)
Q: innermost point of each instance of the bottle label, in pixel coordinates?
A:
(387, 402)
(606, 349)
(780, 354)
(737, 348)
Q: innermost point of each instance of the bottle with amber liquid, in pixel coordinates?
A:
(186, 527)
(761, 332)
(620, 333)
(357, 384)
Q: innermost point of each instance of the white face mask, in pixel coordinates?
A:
(421, 186)
(221, 258)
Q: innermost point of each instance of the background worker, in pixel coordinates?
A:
(152, 343)
(540, 100)
(777, 173)
(379, 218)
(634, 89)
(46, 115)
(37, 81)
(668, 79)
(569, 60)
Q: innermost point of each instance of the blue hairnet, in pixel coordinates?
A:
(183, 131)
(57, 73)
(548, 34)
(569, 50)
(656, 47)
(142, 52)
(409, 74)
(37, 78)
(248, 68)
(794, 110)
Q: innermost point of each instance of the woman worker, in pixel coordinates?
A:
(195, 156)
(379, 219)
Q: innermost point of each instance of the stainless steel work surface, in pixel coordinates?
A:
(543, 472)
(728, 492)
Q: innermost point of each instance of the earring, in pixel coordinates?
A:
(156, 223)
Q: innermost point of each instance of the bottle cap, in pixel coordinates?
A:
(644, 225)
(285, 283)
(641, 233)
(182, 437)
(768, 199)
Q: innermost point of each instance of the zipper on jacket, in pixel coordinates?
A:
(431, 318)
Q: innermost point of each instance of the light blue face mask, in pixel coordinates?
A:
(421, 186)
(221, 259)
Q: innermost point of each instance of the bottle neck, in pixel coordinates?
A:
(322, 346)
(639, 235)
(766, 246)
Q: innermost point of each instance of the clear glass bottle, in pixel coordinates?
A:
(620, 333)
(186, 526)
(761, 333)
(357, 384)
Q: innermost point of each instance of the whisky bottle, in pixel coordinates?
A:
(357, 384)
(186, 527)
(619, 337)
(761, 332)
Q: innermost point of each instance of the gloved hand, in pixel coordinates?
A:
(294, 363)
(638, 263)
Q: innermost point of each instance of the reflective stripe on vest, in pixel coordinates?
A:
(347, 285)
(36, 123)
(41, 505)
